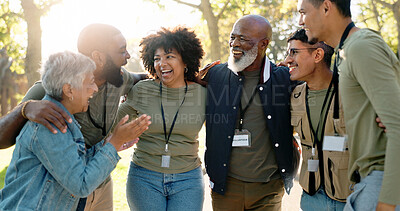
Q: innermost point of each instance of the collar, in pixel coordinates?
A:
(266, 70)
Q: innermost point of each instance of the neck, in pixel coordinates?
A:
(98, 79)
(336, 31)
(320, 79)
(68, 105)
(175, 85)
(99, 82)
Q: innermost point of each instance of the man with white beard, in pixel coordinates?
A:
(250, 156)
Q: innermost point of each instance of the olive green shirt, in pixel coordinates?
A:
(315, 100)
(256, 163)
(369, 87)
(144, 98)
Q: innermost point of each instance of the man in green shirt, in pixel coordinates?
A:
(369, 86)
(106, 46)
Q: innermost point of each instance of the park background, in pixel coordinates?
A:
(31, 30)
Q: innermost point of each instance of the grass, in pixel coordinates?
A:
(119, 174)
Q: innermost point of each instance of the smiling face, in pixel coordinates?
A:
(116, 57)
(244, 45)
(301, 63)
(169, 67)
(312, 20)
(82, 95)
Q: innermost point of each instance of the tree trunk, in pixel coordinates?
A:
(32, 16)
(213, 31)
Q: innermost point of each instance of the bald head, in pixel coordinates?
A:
(258, 24)
(96, 37)
(249, 40)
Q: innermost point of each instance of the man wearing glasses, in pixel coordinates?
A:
(323, 174)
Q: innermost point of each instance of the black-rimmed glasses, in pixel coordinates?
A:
(293, 51)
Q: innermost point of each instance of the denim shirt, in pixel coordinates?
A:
(53, 171)
(223, 98)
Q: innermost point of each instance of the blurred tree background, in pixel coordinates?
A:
(21, 43)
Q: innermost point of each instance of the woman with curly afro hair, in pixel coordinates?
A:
(165, 172)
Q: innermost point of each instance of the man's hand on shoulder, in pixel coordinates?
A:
(45, 112)
(200, 79)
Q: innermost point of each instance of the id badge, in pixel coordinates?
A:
(165, 159)
(313, 165)
(241, 138)
(334, 143)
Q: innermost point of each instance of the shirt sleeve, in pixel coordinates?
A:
(65, 161)
(132, 78)
(126, 108)
(36, 92)
(376, 69)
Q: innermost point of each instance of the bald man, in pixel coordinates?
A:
(249, 157)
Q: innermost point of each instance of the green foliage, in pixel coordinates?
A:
(2, 177)
(10, 30)
(280, 13)
(378, 17)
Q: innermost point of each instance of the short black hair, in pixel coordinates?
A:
(180, 38)
(95, 37)
(342, 5)
(301, 36)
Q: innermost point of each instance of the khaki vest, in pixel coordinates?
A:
(337, 185)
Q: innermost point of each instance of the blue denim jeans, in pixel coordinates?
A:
(148, 190)
(320, 201)
(366, 193)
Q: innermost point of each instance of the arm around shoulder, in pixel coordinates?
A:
(10, 125)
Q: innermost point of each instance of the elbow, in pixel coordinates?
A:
(4, 144)
(81, 190)
(81, 193)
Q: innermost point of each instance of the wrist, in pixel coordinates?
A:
(23, 109)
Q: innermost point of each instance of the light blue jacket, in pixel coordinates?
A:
(52, 171)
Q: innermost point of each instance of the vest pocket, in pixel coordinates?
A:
(296, 122)
(301, 126)
(337, 169)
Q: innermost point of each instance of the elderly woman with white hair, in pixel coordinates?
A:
(53, 171)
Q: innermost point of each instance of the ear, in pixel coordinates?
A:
(99, 58)
(326, 6)
(67, 90)
(264, 43)
(318, 55)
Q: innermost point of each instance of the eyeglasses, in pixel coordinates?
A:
(293, 51)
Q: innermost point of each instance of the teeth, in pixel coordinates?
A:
(166, 71)
(236, 51)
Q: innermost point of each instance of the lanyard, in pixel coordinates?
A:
(103, 128)
(243, 111)
(322, 116)
(336, 72)
(176, 115)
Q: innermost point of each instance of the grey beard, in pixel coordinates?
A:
(238, 65)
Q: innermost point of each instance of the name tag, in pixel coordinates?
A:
(313, 165)
(165, 159)
(335, 143)
(241, 138)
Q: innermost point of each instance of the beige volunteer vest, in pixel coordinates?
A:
(337, 185)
